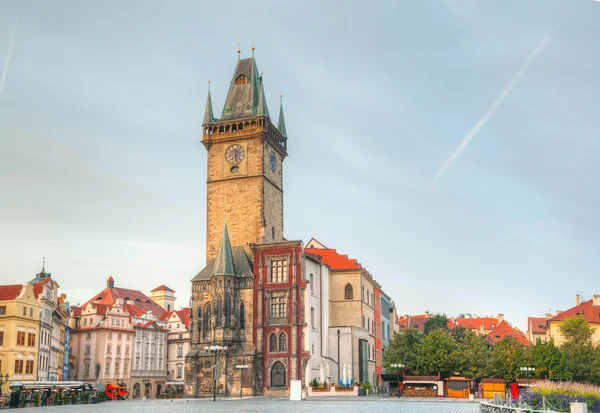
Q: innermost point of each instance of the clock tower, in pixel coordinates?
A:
(245, 164)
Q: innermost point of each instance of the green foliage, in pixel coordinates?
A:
(506, 359)
(576, 330)
(549, 361)
(403, 350)
(474, 355)
(437, 353)
(582, 360)
(459, 334)
(314, 383)
(436, 322)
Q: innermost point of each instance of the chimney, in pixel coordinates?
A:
(500, 318)
(577, 300)
(110, 282)
(596, 300)
(548, 315)
(427, 314)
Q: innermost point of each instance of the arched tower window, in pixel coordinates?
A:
(242, 316)
(282, 342)
(241, 80)
(272, 343)
(206, 323)
(228, 312)
(219, 311)
(348, 292)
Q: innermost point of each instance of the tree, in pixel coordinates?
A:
(459, 334)
(437, 353)
(549, 361)
(474, 355)
(506, 359)
(577, 330)
(403, 350)
(436, 322)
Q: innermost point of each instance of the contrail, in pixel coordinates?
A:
(507, 89)
(10, 46)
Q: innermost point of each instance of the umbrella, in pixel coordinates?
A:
(327, 369)
(321, 375)
(350, 374)
(345, 381)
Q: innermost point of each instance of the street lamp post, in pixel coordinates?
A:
(398, 367)
(215, 349)
(241, 367)
(528, 371)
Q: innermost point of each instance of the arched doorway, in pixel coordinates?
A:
(147, 390)
(158, 389)
(278, 375)
(136, 391)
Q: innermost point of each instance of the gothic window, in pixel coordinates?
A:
(206, 326)
(282, 342)
(272, 343)
(278, 271)
(312, 317)
(219, 311)
(228, 312)
(278, 375)
(348, 292)
(241, 80)
(242, 316)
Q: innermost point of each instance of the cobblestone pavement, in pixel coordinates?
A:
(275, 405)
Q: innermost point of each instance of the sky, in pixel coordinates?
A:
(450, 146)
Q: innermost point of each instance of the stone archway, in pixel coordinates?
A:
(136, 391)
(278, 375)
(158, 389)
(148, 390)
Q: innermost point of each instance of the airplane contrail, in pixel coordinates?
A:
(507, 89)
(10, 46)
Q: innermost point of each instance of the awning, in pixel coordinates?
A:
(175, 383)
(192, 353)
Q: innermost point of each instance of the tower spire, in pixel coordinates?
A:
(281, 123)
(262, 109)
(208, 112)
(253, 47)
(224, 260)
(239, 50)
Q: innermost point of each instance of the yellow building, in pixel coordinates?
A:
(19, 333)
(589, 310)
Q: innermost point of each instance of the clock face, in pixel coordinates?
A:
(235, 154)
(273, 161)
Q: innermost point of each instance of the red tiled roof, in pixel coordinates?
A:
(587, 309)
(183, 314)
(475, 323)
(537, 325)
(162, 288)
(416, 322)
(10, 292)
(335, 260)
(505, 329)
(142, 305)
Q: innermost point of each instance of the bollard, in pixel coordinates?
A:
(544, 403)
(579, 407)
(520, 402)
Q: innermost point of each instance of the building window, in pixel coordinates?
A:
(282, 342)
(362, 294)
(179, 371)
(206, 325)
(242, 316)
(363, 321)
(86, 370)
(179, 350)
(107, 368)
(31, 340)
(25, 311)
(227, 312)
(119, 336)
(118, 349)
(312, 286)
(2, 309)
(272, 343)
(1, 339)
(125, 367)
(85, 321)
(241, 80)
(109, 348)
(278, 307)
(278, 271)
(18, 366)
(278, 375)
(20, 338)
(87, 349)
(219, 311)
(31, 312)
(312, 317)
(348, 292)
(117, 367)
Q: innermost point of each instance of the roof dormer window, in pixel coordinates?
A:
(241, 80)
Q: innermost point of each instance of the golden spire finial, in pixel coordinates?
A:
(252, 46)
(239, 49)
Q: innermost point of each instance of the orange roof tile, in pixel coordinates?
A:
(142, 305)
(475, 323)
(335, 260)
(587, 309)
(162, 288)
(505, 329)
(10, 292)
(537, 325)
(183, 314)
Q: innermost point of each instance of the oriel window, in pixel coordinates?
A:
(278, 271)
